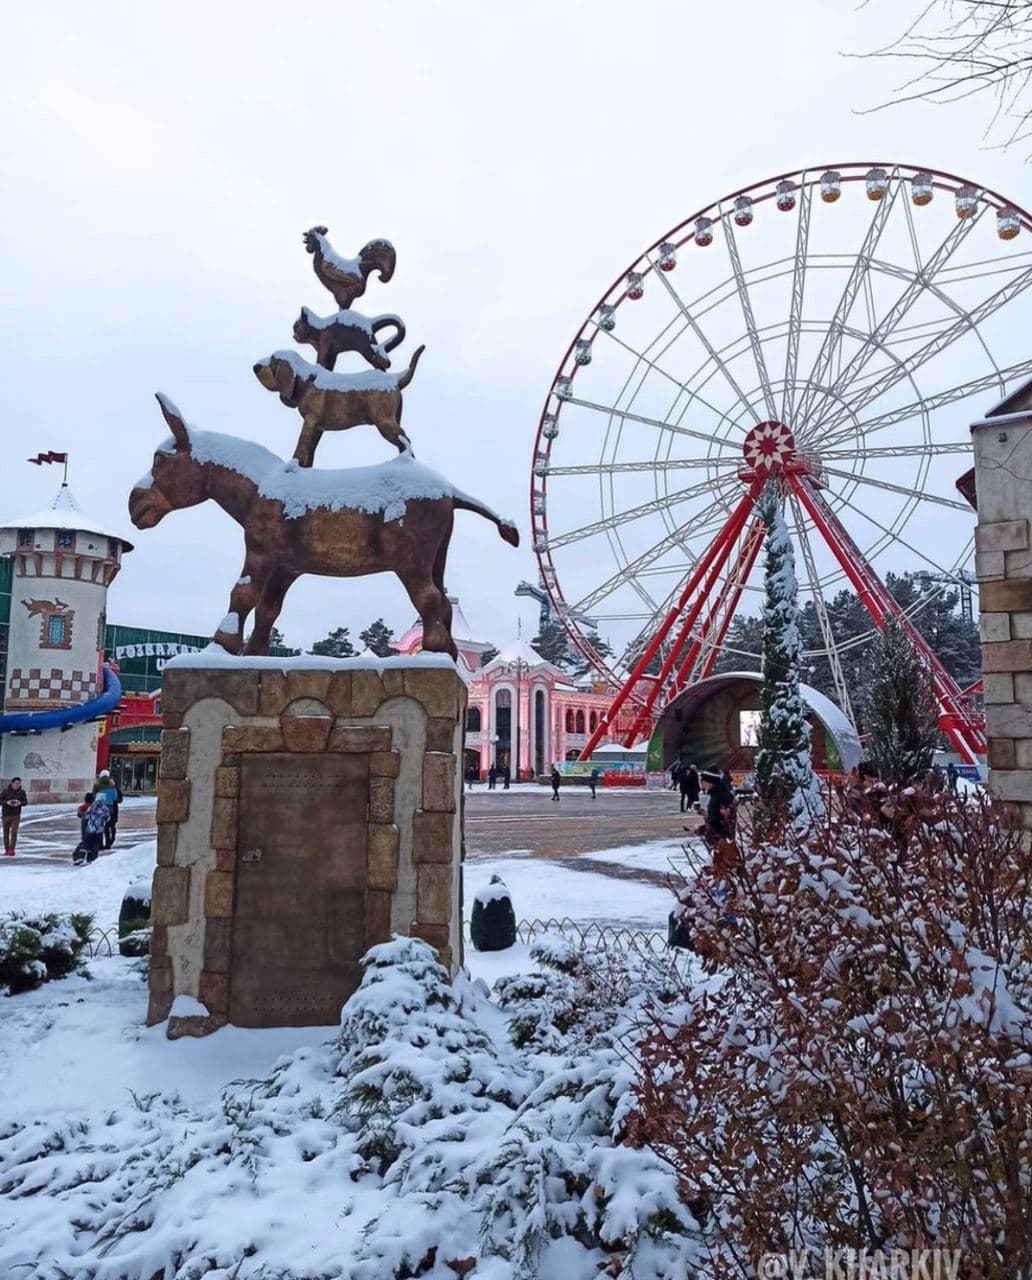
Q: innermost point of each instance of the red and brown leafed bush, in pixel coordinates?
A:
(855, 1070)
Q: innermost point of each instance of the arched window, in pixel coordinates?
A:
(473, 720)
(580, 721)
(593, 721)
(569, 722)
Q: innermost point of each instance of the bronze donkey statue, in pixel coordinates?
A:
(394, 517)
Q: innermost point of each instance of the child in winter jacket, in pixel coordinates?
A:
(94, 823)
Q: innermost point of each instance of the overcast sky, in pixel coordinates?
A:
(161, 162)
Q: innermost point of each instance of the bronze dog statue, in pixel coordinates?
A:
(344, 331)
(336, 401)
(396, 517)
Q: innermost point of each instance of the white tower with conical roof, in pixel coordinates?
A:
(63, 563)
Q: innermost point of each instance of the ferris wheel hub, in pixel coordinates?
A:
(769, 448)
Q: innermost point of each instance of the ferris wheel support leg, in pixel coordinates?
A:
(724, 610)
(728, 536)
(720, 546)
(723, 546)
(956, 721)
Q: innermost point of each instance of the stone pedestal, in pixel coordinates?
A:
(307, 810)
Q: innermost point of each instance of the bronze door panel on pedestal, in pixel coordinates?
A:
(300, 888)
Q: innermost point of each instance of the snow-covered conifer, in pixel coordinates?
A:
(900, 713)
(784, 768)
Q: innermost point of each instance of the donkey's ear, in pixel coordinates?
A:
(175, 422)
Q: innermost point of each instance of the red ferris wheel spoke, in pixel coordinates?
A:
(711, 634)
(719, 548)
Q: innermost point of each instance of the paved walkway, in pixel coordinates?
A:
(49, 833)
(523, 821)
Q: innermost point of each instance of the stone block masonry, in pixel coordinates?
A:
(1003, 561)
(307, 810)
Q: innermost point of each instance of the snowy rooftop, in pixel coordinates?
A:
(518, 651)
(65, 513)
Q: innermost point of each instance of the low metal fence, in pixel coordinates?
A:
(648, 942)
(101, 943)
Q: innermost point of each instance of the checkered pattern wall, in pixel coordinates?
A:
(53, 685)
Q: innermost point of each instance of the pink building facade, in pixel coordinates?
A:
(519, 705)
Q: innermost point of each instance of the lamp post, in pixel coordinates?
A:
(518, 667)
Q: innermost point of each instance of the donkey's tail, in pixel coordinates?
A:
(508, 531)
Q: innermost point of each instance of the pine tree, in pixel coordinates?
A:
(784, 769)
(601, 646)
(336, 645)
(489, 655)
(276, 641)
(553, 644)
(899, 712)
(379, 638)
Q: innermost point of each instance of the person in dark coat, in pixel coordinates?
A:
(506, 778)
(12, 801)
(688, 781)
(556, 779)
(593, 782)
(492, 777)
(720, 808)
(951, 778)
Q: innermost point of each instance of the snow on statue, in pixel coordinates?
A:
(344, 523)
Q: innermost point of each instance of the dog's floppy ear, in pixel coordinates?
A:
(286, 380)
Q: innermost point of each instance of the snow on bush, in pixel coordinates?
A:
(39, 948)
(416, 1144)
(856, 1071)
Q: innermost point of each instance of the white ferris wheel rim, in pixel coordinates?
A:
(842, 435)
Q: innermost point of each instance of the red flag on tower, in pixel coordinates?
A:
(50, 456)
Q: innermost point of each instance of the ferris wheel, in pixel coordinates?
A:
(836, 328)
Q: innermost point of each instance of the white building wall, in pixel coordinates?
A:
(58, 601)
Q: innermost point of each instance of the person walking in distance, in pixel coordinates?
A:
(104, 789)
(492, 777)
(506, 778)
(593, 782)
(555, 784)
(114, 798)
(12, 801)
(951, 778)
(688, 780)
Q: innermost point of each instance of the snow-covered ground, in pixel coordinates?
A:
(84, 1040)
(543, 891)
(76, 1060)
